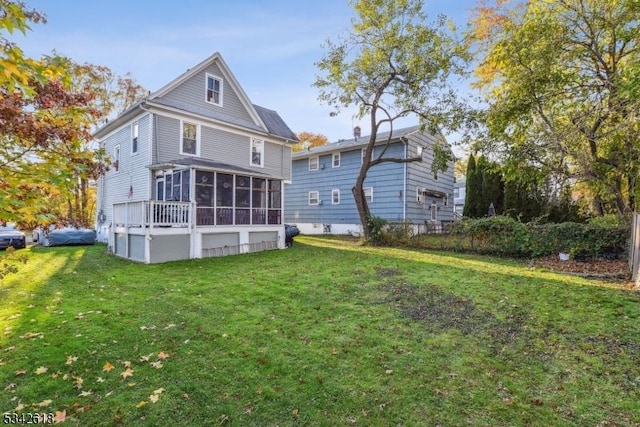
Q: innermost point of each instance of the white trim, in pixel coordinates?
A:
(317, 163)
(333, 159)
(206, 88)
(198, 133)
(261, 145)
(334, 192)
(317, 198)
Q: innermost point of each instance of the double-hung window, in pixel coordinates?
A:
(116, 158)
(257, 152)
(314, 163)
(134, 137)
(368, 194)
(335, 160)
(189, 144)
(314, 198)
(335, 196)
(214, 90)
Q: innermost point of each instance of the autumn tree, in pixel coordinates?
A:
(392, 64)
(561, 80)
(46, 121)
(309, 140)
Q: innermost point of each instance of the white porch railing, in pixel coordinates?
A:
(152, 213)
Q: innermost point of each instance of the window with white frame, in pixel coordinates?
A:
(116, 158)
(419, 150)
(335, 160)
(434, 211)
(189, 143)
(214, 90)
(368, 194)
(314, 163)
(134, 137)
(257, 152)
(421, 195)
(314, 198)
(335, 196)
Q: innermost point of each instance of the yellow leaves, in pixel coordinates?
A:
(71, 360)
(41, 370)
(162, 355)
(154, 398)
(141, 404)
(45, 403)
(107, 367)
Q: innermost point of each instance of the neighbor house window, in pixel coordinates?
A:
(189, 138)
(446, 200)
(314, 198)
(116, 158)
(364, 152)
(419, 150)
(336, 160)
(134, 138)
(335, 196)
(257, 152)
(368, 194)
(314, 162)
(434, 211)
(214, 90)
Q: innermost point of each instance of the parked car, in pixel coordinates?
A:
(290, 231)
(11, 236)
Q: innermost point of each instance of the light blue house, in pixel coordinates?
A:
(320, 200)
(198, 171)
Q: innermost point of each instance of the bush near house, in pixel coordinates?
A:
(504, 236)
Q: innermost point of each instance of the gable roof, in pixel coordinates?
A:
(263, 120)
(352, 144)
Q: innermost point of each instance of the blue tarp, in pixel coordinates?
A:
(70, 236)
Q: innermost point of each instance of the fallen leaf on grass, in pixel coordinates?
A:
(127, 373)
(146, 358)
(158, 391)
(156, 365)
(162, 355)
(295, 413)
(78, 381)
(100, 380)
(71, 360)
(32, 335)
(141, 404)
(85, 393)
(11, 386)
(154, 398)
(21, 372)
(45, 403)
(20, 407)
(41, 370)
(107, 367)
(60, 417)
(127, 363)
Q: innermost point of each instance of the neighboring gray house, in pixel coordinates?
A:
(198, 171)
(320, 199)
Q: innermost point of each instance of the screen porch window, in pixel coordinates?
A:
(224, 199)
(214, 90)
(275, 202)
(259, 201)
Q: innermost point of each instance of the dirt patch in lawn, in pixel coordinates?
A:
(606, 269)
(437, 310)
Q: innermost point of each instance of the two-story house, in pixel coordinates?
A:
(320, 198)
(197, 171)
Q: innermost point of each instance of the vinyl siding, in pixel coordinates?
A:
(419, 174)
(221, 146)
(385, 179)
(193, 92)
(133, 172)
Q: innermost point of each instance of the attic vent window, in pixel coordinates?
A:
(214, 90)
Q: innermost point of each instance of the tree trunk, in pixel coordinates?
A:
(361, 200)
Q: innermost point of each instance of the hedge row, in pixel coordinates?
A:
(505, 236)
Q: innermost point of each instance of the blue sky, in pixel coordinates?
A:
(270, 45)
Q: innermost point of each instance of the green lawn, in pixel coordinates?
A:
(326, 333)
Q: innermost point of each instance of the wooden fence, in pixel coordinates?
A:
(634, 250)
